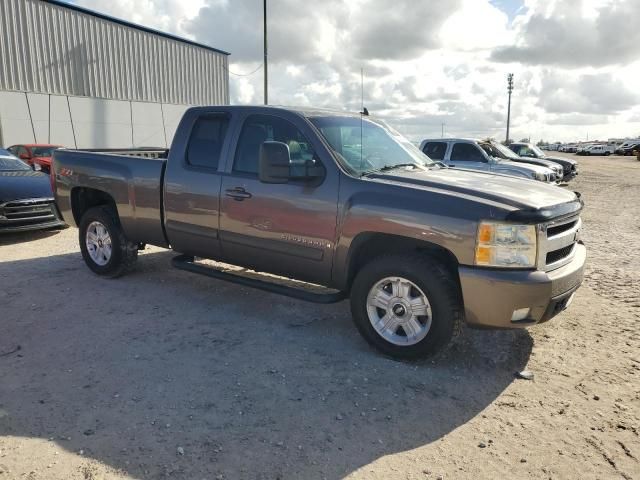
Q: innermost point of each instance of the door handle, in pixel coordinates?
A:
(237, 193)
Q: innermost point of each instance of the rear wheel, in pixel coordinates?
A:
(105, 249)
(406, 306)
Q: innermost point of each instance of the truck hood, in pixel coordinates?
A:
(22, 184)
(561, 160)
(543, 162)
(519, 194)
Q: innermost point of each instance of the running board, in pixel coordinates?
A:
(186, 262)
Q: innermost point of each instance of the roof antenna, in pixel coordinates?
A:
(364, 110)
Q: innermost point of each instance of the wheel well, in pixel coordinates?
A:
(368, 246)
(82, 199)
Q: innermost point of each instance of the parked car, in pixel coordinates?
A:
(620, 150)
(480, 155)
(26, 199)
(35, 154)
(605, 150)
(580, 149)
(629, 149)
(507, 154)
(341, 201)
(527, 150)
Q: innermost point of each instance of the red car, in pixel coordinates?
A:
(40, 154)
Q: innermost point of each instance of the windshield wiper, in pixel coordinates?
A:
(386, 168)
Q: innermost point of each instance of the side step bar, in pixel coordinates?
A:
(186, 262)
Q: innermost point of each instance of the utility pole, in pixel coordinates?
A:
(509, 90)
(442, 130)
(266, 94)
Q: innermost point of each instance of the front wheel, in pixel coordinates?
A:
(406, 306)
(105, 249)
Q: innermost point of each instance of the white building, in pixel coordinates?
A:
(81, 79)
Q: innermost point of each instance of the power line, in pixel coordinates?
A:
(244, 74)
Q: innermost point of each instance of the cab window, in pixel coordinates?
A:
(261, 128)
(466, 152)
(435, 150)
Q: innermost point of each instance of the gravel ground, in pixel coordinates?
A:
(165, 374)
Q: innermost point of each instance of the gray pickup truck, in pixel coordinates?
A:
(341, 201)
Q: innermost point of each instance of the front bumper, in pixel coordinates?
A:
(492, 296)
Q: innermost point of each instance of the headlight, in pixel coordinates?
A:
(540, 176)
(506, 245)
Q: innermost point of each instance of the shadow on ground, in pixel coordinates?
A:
(247, 384)
(25, 237)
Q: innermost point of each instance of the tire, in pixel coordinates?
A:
(424, 276)
(123, 253)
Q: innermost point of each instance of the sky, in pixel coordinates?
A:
(430, 65)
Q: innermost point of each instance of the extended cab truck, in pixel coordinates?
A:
(338, 200)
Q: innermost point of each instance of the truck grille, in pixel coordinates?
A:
(557, 255)
(558, 229)
(557, 243)
(20, 213)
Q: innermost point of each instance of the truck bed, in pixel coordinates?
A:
(134, 183)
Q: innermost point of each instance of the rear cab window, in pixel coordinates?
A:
(206, 141)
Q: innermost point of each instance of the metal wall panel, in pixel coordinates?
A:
(49, 48)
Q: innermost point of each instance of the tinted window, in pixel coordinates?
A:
(205, 143)
(435, 150)
(43, 151)
(261, 128)
(466, 152)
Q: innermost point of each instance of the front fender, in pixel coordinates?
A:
(442, 219)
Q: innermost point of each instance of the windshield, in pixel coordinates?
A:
(11, 163)
(43, 151)
(364, 145)
(539, 153)
(505, 151)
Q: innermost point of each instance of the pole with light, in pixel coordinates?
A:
(509, 90)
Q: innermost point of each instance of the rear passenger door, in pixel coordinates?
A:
(468, 155)
(192, 188)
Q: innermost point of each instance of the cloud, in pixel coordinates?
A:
(593, 93)
(400, 29)
(558, 34)
(296, 33)
(426, 63)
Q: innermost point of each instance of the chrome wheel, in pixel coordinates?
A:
(98, 243)
(399, 311)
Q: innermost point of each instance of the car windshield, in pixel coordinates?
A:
(539, 153)
(364, 145)
(43, 151)
(505, 151)
(10, 163)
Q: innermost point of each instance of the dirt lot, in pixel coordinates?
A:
(164, 374)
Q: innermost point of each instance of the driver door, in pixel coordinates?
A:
(287, 229)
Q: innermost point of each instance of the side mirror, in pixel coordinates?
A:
(274, 162)
(36, 167)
